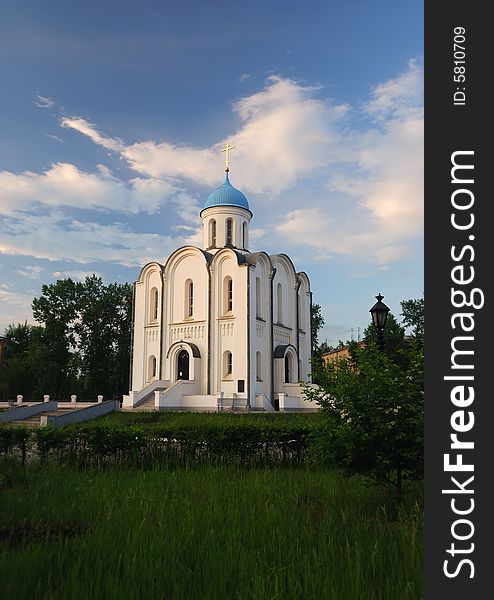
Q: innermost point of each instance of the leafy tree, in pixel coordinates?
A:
(103, 329)
(374, 405)
(412, 312)
(24, 365)
(375, 416)
(316, 324)
(56, 308)
(393, 335)
(17, 338)
(87, 336)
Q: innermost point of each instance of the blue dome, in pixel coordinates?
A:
(226, 195)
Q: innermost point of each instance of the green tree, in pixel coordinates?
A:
(393, 334)
(375, 416)
(23, 368)
(56, 309)
(103, 328)
(374, 406)
(316, 324)
(87, 331)
(412, 312)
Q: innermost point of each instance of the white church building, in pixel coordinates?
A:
(221, 326)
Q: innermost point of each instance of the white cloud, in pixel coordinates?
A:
(382, 185)
(167, 160)
(366, 179)
(89, 129)
(75, 275)
(63, 184)
(256, 233)
(32, 272)
(401, 97)
(284, 134)
(54, 137)
(43, 101)
(53, 236)
(16, 307)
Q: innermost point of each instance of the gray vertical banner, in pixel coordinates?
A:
(459, 421)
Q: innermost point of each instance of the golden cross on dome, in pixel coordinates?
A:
(227, 149)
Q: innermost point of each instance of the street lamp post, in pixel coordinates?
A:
(379, 314)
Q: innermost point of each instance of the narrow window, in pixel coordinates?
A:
(244, 235)
(230, 295)
(288, 368)
(280, 303)
(154, 304)
(227, 364)
(258, 298)
(258, 366)
(213, 233)
(189, 298)
(227, 295)
(152, 368)
(229, 231)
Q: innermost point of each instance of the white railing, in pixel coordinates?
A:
(172, 397)
(262, 401)
(231, 402)
(80, 415)
(24, 412)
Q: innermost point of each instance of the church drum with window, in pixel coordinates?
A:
(221, 324)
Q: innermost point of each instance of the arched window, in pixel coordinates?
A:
(212, 230)
(244, 235)
(279, 294)
(258, 298)
(229, 231)
(189, 299)
(258, 367)
(151, 368)
(227, 295)
(227, 364)
(154, 305)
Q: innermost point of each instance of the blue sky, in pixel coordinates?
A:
(112, 115)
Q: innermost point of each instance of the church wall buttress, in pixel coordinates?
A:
(147, 326)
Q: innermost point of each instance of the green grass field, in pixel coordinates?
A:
(204, 533)
(191, 419)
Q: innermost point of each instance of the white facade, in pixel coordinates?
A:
(221, 321)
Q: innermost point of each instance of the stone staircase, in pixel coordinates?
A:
(146, 405)
(35, 420)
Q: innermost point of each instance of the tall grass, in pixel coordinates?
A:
(203, 419)
(208, 533)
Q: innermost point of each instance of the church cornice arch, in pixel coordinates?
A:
(285, 261)
(149, 268)
(178, 255)
(262, 257)
(304, 281)
(223, 254)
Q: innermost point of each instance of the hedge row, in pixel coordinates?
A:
(264, 444)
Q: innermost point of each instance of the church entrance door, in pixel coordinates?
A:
(183, 365)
